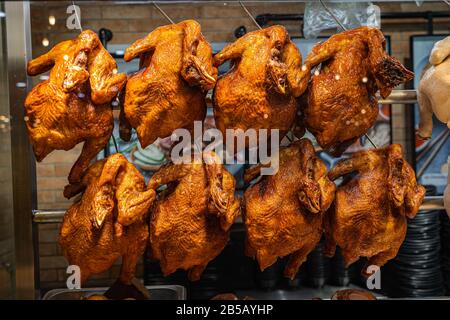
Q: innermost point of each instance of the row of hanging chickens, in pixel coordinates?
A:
(178, 68)
(188, 223)
(190, 220)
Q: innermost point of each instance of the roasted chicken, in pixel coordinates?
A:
(368, 215)
(340, 104)
(434, 89)
(169, 91)
(109, 221)
(73, 105)
(260, 89)
(191, 220)
(284, 212)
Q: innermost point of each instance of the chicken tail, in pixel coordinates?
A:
(389, 73)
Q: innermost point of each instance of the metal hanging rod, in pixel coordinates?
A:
(401, 97)
(249, 14)
(330, 12)
(56, 216)
(163, 12)
(214, 2)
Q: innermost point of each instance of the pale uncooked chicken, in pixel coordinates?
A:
(368, 217)
(109, 221)
(169, 92)
(284, 212)
(191, 220)
(434, 89)
(73, 105)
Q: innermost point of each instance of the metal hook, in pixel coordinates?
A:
(76, 16)
(371, 142)
(249, 14)
(345, 29)
(163, 13)
(332, 15)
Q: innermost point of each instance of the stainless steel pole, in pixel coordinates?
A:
(18, 39)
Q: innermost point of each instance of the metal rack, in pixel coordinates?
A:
(26, 214)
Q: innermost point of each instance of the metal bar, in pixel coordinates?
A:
(48, 216)
(400, 97)
(23, 164)
(432, 203)
(203, 2)
(76, 16)
(56, 216)
(265, 18)
(433, 154)
(396, 97)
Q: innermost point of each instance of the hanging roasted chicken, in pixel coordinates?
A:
(169, 91)
(73, 105)
(284, 212)
(109, 221)
(368, 217)
(340, 104)
(434, 88)
(260, 89)
(191, 220)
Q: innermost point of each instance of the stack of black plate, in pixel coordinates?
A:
(318, 267)
(445, 240)
(339, 273)
(416, 272)
(270, 277)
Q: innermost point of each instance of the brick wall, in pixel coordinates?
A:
(130, 22)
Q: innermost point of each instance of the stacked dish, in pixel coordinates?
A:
(445, 240)
(318, 267)
(416, 272)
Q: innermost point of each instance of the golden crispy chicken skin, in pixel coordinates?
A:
(368, 215)
(284, 212)
(72, 106)
(191, 220)
(340, 104)
(169, 92)
(260, 89)
(109, 221)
